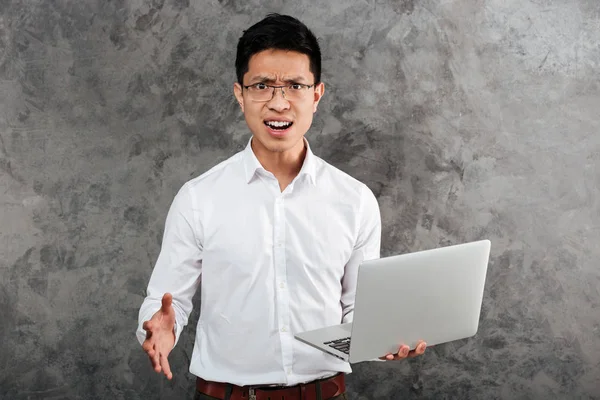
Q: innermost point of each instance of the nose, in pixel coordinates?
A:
(278, 101)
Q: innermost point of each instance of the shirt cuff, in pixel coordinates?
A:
(348, 317)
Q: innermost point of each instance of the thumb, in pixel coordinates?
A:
(167, 300)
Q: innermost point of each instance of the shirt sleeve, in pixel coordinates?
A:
(179, 264)
(367, 247)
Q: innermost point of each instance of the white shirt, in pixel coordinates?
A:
(270, 264)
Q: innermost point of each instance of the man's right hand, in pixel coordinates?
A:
(160, 336)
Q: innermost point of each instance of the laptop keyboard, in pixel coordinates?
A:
(342, 344)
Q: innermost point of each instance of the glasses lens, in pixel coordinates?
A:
(261, 92)
(296, 92)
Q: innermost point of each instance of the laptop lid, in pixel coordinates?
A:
(434, 295)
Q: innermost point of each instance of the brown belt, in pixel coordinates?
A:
(330, 387)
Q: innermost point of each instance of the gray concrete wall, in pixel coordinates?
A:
(469, 119)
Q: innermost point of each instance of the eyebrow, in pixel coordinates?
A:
(268, 79)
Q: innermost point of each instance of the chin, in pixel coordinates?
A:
(277, 144)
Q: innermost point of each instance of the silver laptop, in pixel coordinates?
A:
(433, 295)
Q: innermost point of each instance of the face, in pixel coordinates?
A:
(278, 68)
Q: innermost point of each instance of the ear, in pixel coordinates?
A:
(319, 92)
(237, 91)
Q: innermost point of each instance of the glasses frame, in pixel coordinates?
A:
(277, 87)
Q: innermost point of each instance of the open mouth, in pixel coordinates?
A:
(278, 125)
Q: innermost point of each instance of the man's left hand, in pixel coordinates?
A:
(403, 352)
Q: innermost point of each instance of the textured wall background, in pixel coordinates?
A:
(469, 119)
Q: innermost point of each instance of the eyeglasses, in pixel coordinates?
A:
(293, 92)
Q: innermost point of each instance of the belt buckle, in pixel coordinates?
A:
(251, 395)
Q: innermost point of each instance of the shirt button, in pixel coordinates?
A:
(284, 329)
(282, 285)
(289, 371)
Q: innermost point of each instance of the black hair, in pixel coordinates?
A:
(280, 32)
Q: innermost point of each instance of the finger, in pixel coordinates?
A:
(164, 362)
(156, 360)
(166, 302)
(147, 345)
(147, 326)
(152, 359)
(403, 352)
(419, 349)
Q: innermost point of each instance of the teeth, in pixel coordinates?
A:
(278, 124)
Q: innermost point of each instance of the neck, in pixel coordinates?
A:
(285, 163)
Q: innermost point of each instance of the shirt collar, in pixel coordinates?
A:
(251, 163)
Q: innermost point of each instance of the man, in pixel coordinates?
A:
(275, 236)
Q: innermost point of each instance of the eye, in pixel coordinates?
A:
(259, 86)
(296, 86)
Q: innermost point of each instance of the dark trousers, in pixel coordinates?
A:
(202, 396)
(320, 388)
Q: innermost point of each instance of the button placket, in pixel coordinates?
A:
(280, 277)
